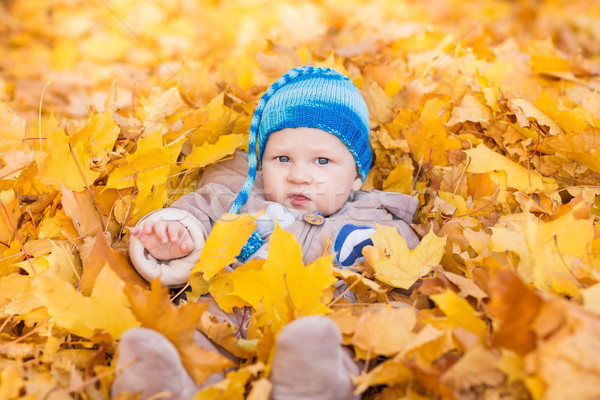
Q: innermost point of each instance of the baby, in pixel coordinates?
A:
(310, 137)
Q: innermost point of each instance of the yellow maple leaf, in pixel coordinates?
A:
(217, 124)
(160, 104)
(107, 308)
(207, 153)
(389, 372)
(60, 261)
(155, 310)
(550, 256)
(395, 264)
(470, 109)
(100, 132)
(17, 294)
(226, 240)
(233, 387)
(384, 331)
(150, 161)
(64, 162)
(535, 113)
(284, 288)
(571, 121)
(459, 312)
(428, 134)
(12, 129)
(147, 170)
(484, 160)
(545, 57)
(401, 178)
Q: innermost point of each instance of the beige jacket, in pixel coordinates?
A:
(219, 187)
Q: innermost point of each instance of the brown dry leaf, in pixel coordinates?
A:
(101, 254)
(82, 210)
(177, 323)
(515, 331)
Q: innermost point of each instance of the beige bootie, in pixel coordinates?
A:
(149, 364)
(310, 362)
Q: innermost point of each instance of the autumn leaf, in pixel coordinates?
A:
(64, 163)
(515, 331)
(107, 308)
(496, 133)
(18, 294)
(82, 210)
(284, 288)
(223, 245)
(99, 256)
(388, 372)
(206, 154)
(12, 132)
(233, 386)
(484, 160)
(100, 132)
(469, 109)
(395, 264)
(154, 310)
(459, 312)
(384, 332)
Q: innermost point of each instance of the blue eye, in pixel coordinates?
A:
(283, 158)
(323, 161)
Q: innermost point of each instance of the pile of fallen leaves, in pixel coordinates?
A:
(487, 111)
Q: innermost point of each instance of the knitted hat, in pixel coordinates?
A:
(314, 98)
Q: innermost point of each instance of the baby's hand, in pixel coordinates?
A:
(165, 240)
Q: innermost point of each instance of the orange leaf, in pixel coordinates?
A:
(508, 294)
(155, 311)
(100, 254)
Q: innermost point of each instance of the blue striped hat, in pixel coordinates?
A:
(309, 97)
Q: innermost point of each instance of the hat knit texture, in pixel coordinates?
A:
(314, 98)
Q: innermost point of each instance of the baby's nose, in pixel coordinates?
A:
(299, 174)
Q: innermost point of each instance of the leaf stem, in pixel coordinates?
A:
(18, 237)
(430, 174)
(88, 187)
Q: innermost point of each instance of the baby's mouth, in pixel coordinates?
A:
(298, 199)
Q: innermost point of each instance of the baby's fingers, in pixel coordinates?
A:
(186, 247)
(173, 231)
(160, 230)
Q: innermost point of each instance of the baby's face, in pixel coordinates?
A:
(308, 169)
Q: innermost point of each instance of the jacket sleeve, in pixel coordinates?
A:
(198, 212)
(175, 272)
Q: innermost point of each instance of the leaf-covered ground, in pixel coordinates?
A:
(487, 111)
